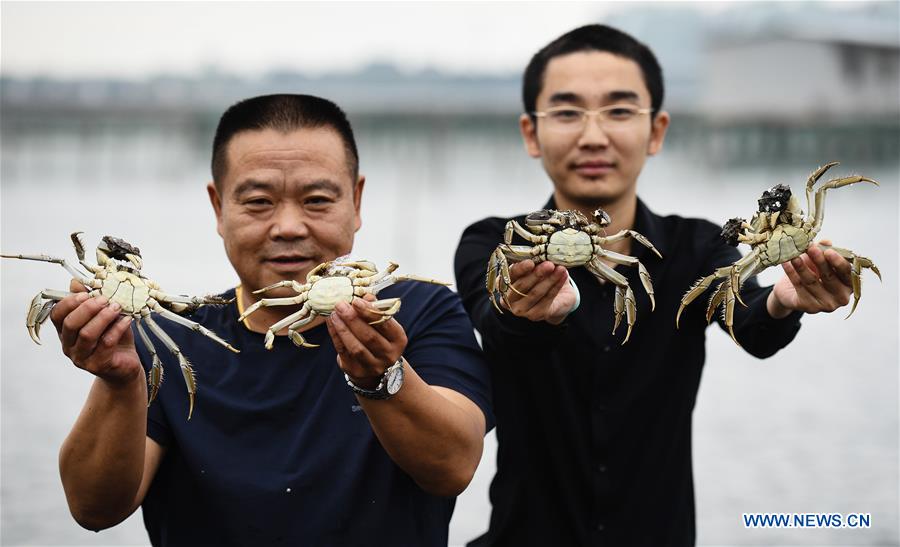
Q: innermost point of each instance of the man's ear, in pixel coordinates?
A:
(216, 201)
(529, 135)
(357, 200)
(658, 132)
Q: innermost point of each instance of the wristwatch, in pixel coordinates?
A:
(388, 386)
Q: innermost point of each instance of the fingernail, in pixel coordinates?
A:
(115, 306)
(102, 300)
(336, 320)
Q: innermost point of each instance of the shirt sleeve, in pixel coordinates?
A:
(442, 348)
(759, 333)
(475, 247)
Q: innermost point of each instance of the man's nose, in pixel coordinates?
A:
(289, 222)
(593, 134)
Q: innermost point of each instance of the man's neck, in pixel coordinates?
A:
(621, 212)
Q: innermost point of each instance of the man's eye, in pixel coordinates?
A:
(566, 115)
(257, 202)
(318, 201)
(621, 113)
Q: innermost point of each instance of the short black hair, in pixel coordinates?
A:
(284, 112)
(593, 38)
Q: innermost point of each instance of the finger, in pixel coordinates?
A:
(527, 283)
(521, 269)
(355, 357)
(64, 307)
(78, 318)
(811, 284)
(830, 278)
(115, 334)
(544, 291)
(840, 265)
(76, 286)
(390, 329)
(792, 274)
(370, 339)
(89, 335)
(338, 343)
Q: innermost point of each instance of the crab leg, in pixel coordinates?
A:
(699, 288)
(513, 226)
(858, 263)
(717, 297)
(737, 276)
(78, 243)
(289, 283)
(181, 304)
(80, 277)
(298, 338)
(499, 262)
(624, 300)
(268, 302)
(196, 327)
(291, 321)
(623, 235)
(155, 375)
(626, 260)
(386, 308)
(811, 181)
(820, 197)
(38, 313)
(186, 370)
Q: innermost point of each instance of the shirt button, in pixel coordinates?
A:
(600, 527)
(606, 349)
(601, 468)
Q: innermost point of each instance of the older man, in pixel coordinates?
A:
(281, 448)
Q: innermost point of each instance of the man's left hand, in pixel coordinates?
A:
(364, 351)
(815, 282)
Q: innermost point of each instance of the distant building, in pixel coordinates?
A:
(797, 79)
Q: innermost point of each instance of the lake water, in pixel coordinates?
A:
(813, 429)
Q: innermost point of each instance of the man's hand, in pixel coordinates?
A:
(815, 282)
(95, 337)
(364, 351)
(548, 295)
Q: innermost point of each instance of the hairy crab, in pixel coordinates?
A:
(339, 280)
(777, 233)
(118, 277)
(568, 238)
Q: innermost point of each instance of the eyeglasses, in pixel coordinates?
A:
(571, 119)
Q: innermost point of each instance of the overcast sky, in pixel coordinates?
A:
(131, 40)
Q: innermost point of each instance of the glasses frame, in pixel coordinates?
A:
(586, 113)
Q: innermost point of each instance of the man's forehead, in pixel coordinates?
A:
(593, 75)
(307, 144)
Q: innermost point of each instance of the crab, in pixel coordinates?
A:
(568, 238)
(118, 277)
(777, 233)
(339, 280)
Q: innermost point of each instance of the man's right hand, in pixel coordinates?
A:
(96, 337)
(548, 295)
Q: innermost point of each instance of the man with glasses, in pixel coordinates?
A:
(595, 435)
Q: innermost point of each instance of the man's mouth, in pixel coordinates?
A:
(290, 263)
(593, 168)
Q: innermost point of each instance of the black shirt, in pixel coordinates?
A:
(595, 436)
(279, 451)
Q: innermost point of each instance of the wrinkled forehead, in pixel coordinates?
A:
(317, 153)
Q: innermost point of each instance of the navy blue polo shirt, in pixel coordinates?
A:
(279, 452)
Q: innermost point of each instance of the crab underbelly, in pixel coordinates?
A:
(570, 248)
(326, 293)
(784, 246)
(127, 290)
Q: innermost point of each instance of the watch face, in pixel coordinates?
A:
(394, 380)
